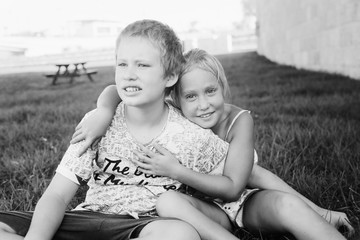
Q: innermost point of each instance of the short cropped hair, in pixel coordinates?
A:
(162, 36)
(197, 58)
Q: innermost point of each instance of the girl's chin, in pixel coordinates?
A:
(204, 125)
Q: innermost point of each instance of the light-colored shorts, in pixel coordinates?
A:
(235, 210)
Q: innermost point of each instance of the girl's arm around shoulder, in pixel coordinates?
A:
(165, 164)
(109, 98)
(228, 186)
(92, 128)
(49, 211)
(240, 157)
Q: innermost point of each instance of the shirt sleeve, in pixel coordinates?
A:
(77, 169)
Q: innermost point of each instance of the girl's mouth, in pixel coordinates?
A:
(206, 115)
(132, 89)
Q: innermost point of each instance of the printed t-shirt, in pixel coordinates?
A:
(115, 183)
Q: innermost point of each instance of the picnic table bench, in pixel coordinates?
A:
(71, 70)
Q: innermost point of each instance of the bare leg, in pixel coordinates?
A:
(7, 233)
(275, 211)
(168, 229)
(209, 220)
(264, 179)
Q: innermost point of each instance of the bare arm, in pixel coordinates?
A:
(50, 209)
(109, 98)
(238, 165)
(94, 127)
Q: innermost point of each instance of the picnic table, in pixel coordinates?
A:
(71, 70)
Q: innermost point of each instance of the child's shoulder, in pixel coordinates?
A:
(239, 121)
(235, 111)
(175, 116)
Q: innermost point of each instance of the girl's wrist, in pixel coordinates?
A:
(177, 172)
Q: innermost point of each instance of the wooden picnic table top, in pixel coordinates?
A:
(68, 64)
(71, 73)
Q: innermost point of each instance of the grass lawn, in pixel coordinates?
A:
(306, 123)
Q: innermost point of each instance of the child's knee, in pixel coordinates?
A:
(288, 205)
(184, 231)
(168, 203)
(169, 229)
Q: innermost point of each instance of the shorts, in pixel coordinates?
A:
(84, 225)
(235, 210)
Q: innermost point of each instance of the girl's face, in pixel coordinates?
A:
(201, 98)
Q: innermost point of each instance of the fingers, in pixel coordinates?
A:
(77, 132)
(84, 147)
(145, 171)
(161, 149)
(144, 167)
(142, 158)
(144, 163)
(96, 141)
(78, 126)
(77, 138)
(147, 151)
(341, 221)
(348, 226)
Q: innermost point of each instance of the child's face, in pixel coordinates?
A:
(139, 73)
(201, 98)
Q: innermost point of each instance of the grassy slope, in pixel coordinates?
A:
(307, 129)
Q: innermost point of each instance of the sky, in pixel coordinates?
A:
(36, 15)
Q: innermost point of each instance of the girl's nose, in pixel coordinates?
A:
(203, 103)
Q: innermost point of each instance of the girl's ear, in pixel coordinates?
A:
(171, 80)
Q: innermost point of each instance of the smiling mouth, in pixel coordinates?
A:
(132, 89)
(205, 115)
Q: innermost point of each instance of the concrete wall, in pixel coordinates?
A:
(311, 34)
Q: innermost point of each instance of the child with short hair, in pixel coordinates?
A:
(120, 202)
(200, 93)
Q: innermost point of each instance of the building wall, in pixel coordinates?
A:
(311, 34)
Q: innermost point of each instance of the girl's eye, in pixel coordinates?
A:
(190, 97)
(121, 64)
(211, 90)
(143, 65)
